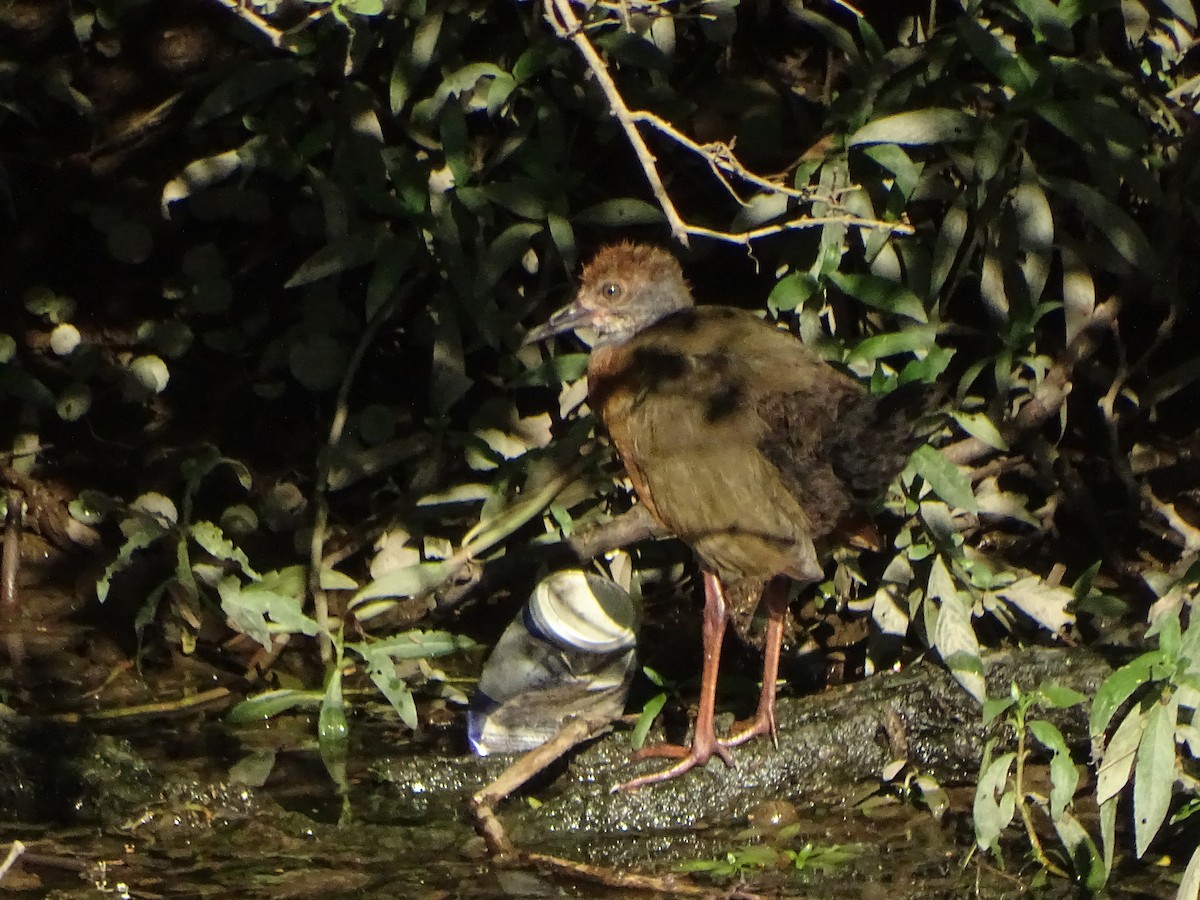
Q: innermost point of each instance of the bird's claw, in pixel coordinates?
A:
(763, 723)
(689, 757)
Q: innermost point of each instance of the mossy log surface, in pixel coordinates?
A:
(830, 746)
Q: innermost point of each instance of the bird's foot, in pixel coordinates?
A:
(762, 723)
(702, 750)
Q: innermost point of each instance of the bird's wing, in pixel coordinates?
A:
(697, 408)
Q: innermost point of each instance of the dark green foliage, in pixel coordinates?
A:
(313, 235)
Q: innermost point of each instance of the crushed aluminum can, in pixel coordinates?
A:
(571, 650)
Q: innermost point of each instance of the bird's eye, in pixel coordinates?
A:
(611, 290)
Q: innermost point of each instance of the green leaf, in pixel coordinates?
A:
(333, 730)
(1119, 687)
(563, 236)
(392, 264)
(1117, 762)
(954, 637)
(1085, 858)
(363, 7)
(260, 612)
(504, 252)
(382, 670)
(995, 801)
(333, 580)
(1154, 777)
(272, 703)
(425, 39)
(831, 33)
(213, 541)
(342, 253)
(1060, 696)
(621, 212)
(994, 707)
(916, 127)
(415, 645)
(991, 283)
(1002, 62)
(1112, 223)
(243, 86)
(411, 581)
(881, 293)
(892, 158)
(1189, 886)
(1044, 603)
(645, 719)
(317, 361)
(791, 291)
(948, 481)
(1035, 233)
(148, 532)
(914, 339)
(979, 426)
(1108, 830)
(565, 367)
(947, 244)
(521, 198)
(203, 173)
(449, 381)
(1064, 777)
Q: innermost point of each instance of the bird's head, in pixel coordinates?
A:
(625, 288)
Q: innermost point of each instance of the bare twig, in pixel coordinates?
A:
(14, 853)
(666, 885)
(185, 704)
(573, 732)
(10, 560)
(722, 160)
(242, 10)
(567, 25)
(1176, 522)
(720, 156)
(10, 567)
(628, 528)
(1051, 393)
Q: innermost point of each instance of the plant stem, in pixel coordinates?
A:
(1026, 816)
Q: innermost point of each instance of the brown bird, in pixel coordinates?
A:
(738, 439)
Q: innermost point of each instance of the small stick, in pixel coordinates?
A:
(14, 853)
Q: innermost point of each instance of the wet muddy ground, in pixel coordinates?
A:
(171, 805)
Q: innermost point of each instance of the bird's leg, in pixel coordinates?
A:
(775, 596)
(704, 737)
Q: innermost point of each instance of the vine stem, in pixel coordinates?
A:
(337, 427)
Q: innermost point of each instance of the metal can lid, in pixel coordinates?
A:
(581, 611)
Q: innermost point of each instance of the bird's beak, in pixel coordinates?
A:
(574, 316)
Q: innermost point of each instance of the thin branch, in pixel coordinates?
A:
(336, 427)
(567, 25)
(1177, 523)
(243, 11)
(753, 234)
(628, 528)
(574, 731)
(14, 853)
(720, 156)
(1051, 394)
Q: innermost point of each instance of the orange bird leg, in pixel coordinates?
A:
(704, 737)
(775, 596)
